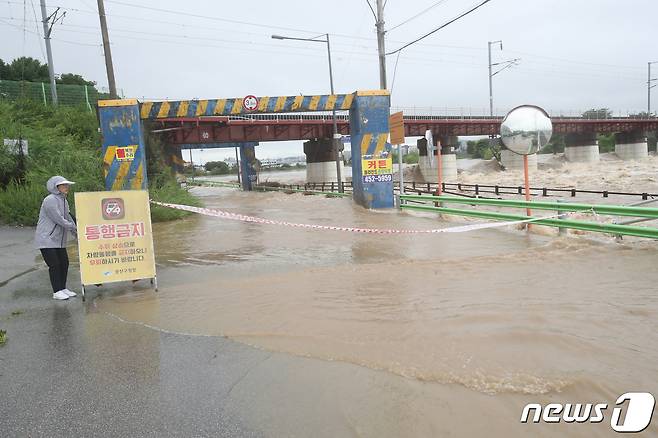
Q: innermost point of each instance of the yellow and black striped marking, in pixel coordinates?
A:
(373, 144)
(124, 174)
(234, 106)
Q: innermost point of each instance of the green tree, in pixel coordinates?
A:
(217, 167)
(606, 142)
(26, 69)
(4, 70)
(32, 70)
(601, 113)
(74, 79)
(481, 148)
(556, 145)
(411, 158)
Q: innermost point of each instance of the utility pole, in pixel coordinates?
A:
(649, 86)
(490, 43)
(337, 137)
(108, 53)
(505, 65)
(47, 28)
(381, 44)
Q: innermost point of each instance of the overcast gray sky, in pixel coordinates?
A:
(575, 54)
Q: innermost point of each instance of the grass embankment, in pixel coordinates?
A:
(65, 141)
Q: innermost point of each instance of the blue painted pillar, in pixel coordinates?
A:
(124, 152)
(372, 167)
(248, 165)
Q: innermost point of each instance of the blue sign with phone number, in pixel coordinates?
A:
(377, 178)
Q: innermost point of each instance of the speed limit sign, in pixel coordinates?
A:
(250, 103)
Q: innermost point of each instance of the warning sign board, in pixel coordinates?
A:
(115, 242)
(396, 127)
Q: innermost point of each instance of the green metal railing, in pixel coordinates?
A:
(420, 202)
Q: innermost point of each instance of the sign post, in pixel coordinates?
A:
(396, 127)
(115, 240)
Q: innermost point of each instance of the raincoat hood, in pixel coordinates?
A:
(53, 182)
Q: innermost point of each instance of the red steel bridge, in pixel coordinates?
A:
(280, 127)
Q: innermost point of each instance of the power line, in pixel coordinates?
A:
(206, 17)
(395, 70)
(39, 35)
(576, 62)
(418, 14)
(357, 37)
(34, 12)
(444, 58)
(463, 14)
(305, 51)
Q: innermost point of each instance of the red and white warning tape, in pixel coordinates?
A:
(240, 217)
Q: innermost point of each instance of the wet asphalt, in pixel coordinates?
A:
(68, 370)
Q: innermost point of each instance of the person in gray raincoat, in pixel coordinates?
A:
(55, 224)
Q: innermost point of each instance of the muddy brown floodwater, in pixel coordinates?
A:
(477, 324)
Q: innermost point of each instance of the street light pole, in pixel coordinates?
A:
(335, 141)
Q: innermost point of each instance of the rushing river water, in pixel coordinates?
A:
(482, 322)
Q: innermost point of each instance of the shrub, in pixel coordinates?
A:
(65, 141)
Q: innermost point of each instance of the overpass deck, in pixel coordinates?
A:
(282, 127)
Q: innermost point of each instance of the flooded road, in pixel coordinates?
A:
(461, 330)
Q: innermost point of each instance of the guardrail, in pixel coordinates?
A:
(266, 188)
(288, 188)
(435, 204)
(201, 182)
(476, 189)
(495, 189)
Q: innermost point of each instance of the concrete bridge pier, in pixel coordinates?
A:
(449, 143)
(248, 165)
(581, 147)
(174, 158)
(631, 145)
(512, 161)
(320, 161)
(448, 159)
(372, 166)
